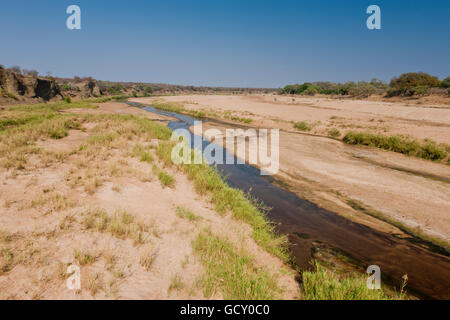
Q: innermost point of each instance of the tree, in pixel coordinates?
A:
(149, 89)
(31, 73)
(16, 69)
(445, 83)
(405, 83)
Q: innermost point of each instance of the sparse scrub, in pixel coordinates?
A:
(147, 259)
(95, 283)
(166, 179)
(187, 214)
(7, 260)
(54, 202)
(67, 222)
(334, 133)
(84, 257)
(429, 150)
(302, 126)
(122, 225)
(243, 120)
(146, 157)
(176, 283)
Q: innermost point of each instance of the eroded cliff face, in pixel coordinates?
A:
(17, 88)
(20, 88)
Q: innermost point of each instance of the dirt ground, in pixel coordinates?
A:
(44, 219)
(328, 172)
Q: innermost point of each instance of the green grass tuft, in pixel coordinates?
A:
(232, 271)
(302, 126)
(323, 284)
(166, 179)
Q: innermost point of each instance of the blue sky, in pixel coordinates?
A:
(251, 43)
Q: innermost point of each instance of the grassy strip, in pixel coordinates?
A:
(179, 108)
(437, 244)
(231, 270)
(207, 180)
(325, 285)
(429, 150)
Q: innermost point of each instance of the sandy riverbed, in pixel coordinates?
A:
(413, 191)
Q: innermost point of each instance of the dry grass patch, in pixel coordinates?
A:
(122, 225)
(54, 202)
(187, 214)
(84, 257)
(166, 179)
(147, 258)
(176, 284)
(94, 283)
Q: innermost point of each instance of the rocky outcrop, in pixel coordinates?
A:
(46, 89)
(14, 86)
(93, 88)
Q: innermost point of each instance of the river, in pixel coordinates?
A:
(308, 226)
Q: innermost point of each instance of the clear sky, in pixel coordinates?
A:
(251, 43)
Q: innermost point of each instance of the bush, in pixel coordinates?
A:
(68, 99)
(410, 147)
(311, 90)
(302, 126)
(66, 87)
(149, 90)
(445, 83)
(362, 89)
(420, 90)
(412, 83)
(334, 133)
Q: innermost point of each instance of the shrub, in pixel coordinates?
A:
(311, 90)
(334, 133)
(413, 82)
(302, 126)
(420, 90)
(445, 83)
(429, 151)
(67, 99)
(149, 90)
(66, 87)
(362, 89)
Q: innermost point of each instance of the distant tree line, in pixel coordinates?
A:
(407, 84)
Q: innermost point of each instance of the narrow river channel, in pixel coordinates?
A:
(308, 225)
